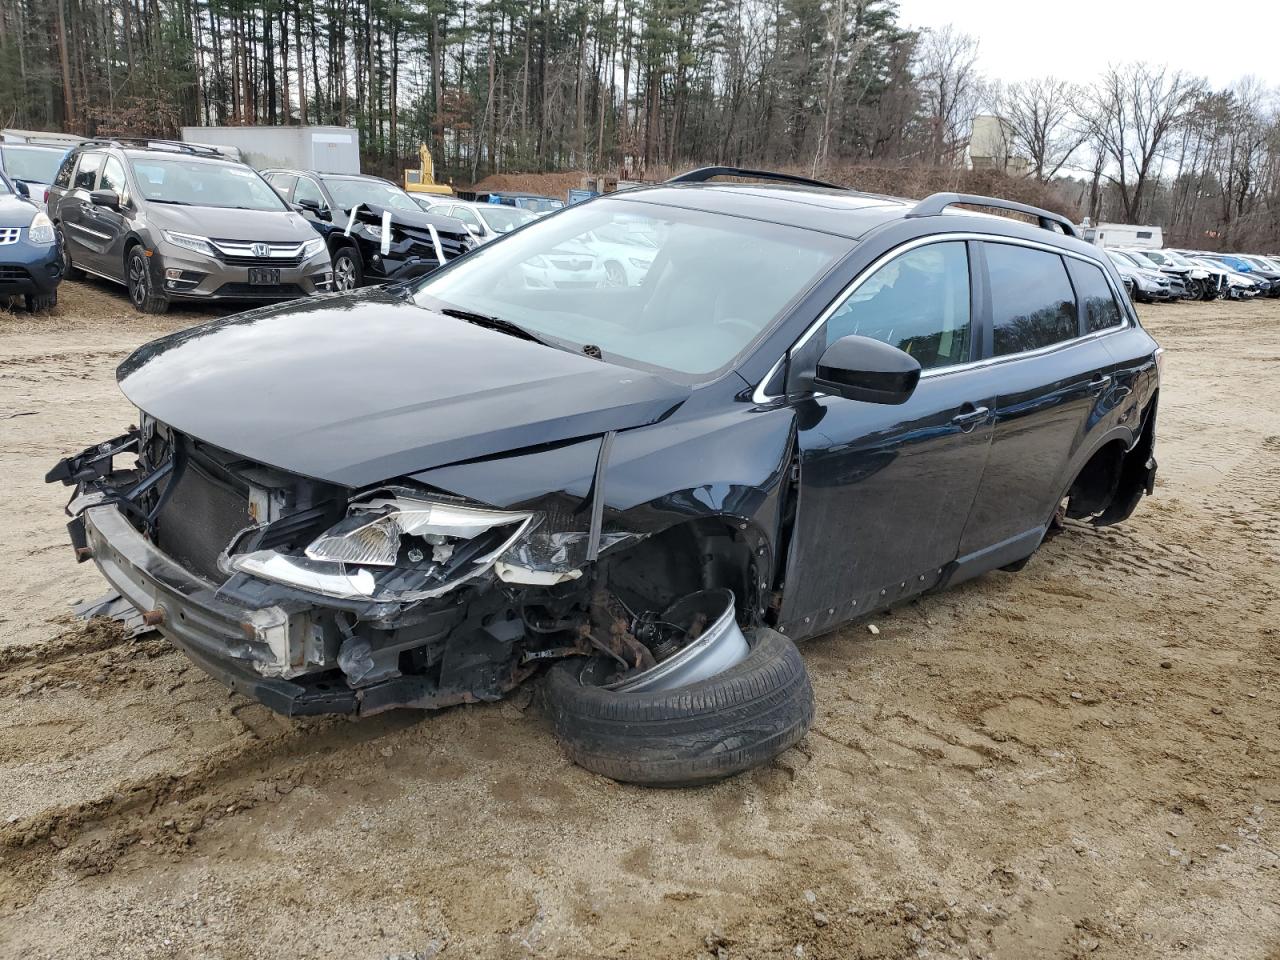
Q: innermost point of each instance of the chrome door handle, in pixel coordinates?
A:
(975, 416)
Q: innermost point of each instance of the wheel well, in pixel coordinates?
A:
(1095, 484)
(1111, 483)
(696, 555)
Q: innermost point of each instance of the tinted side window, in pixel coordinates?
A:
(918, 302)
(113, 178)
(308, 190)
(1096, 299)
(87, 172)
(63, 179)
(283, 182)
(1032, 303)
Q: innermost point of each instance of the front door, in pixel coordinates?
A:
(885, 491)
(111, 226)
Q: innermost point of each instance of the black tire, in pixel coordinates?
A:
(43, 301)
(696, 734)
(348, 271)
(69, 270)
(137, 277)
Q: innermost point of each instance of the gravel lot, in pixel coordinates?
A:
(1076, 760)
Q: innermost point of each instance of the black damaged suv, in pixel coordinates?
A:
(805, 404)
(375, 231)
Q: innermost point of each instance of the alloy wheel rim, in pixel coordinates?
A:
(137, 279)
(345, 274)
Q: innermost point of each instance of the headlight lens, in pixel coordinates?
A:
(312, 247)
(373, 229)
(190, 242)
(394, 548)
(41, 229)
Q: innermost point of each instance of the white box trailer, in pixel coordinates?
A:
(1124, 235)
(324, 149)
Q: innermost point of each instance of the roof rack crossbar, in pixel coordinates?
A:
(933, 205)
(703, 174)
(180, 146)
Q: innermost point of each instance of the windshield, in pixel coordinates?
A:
(31, 163)
(199, 183)
(504, 219)
(688, 302)
(4, 187)
(1177, 259)
(348, 192)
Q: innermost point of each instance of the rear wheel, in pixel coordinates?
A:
(614, 275)
(69, 270)
(686, 735)
(138, 280)
(348, 271)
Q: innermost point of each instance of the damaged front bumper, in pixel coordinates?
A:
(234, 642)
(300, 651)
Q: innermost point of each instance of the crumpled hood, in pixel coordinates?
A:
(371, 213)
(268, 226)
(364, 388)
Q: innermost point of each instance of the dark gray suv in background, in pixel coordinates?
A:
(181, 221)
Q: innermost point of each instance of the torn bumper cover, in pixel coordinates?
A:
(228, 641)
(392, 598)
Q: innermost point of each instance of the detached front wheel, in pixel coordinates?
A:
(687, 735)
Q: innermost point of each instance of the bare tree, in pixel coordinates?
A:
(1043, 124)
(950, 90)
(1131, 113)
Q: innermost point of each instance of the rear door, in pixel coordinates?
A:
(84, 240)
(1048, 375)
(885, 490)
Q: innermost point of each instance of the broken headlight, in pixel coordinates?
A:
(394, 548)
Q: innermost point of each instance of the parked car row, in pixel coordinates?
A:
(1152, 276)
(178, 221)
(1251, 275)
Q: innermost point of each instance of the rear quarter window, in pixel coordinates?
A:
(63, 179)
(1032, 302)
(1097, 301)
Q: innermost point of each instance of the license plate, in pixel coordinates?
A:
(264, 275)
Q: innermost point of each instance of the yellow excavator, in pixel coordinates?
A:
(423, 180)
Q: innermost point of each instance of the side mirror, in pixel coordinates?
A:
(859, 368)
(474, 230)
(311, 205)
(105, 198)
(21, 189)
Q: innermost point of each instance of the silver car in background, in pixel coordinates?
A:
(177, 221)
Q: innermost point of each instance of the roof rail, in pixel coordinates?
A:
(703, 174)
(933, 205)
(176, 146)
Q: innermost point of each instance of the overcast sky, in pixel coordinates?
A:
(1076, 40)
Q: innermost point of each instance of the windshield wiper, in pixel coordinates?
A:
(176, 203)
(495, 323)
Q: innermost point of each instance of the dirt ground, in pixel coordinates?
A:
(1074, 761)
